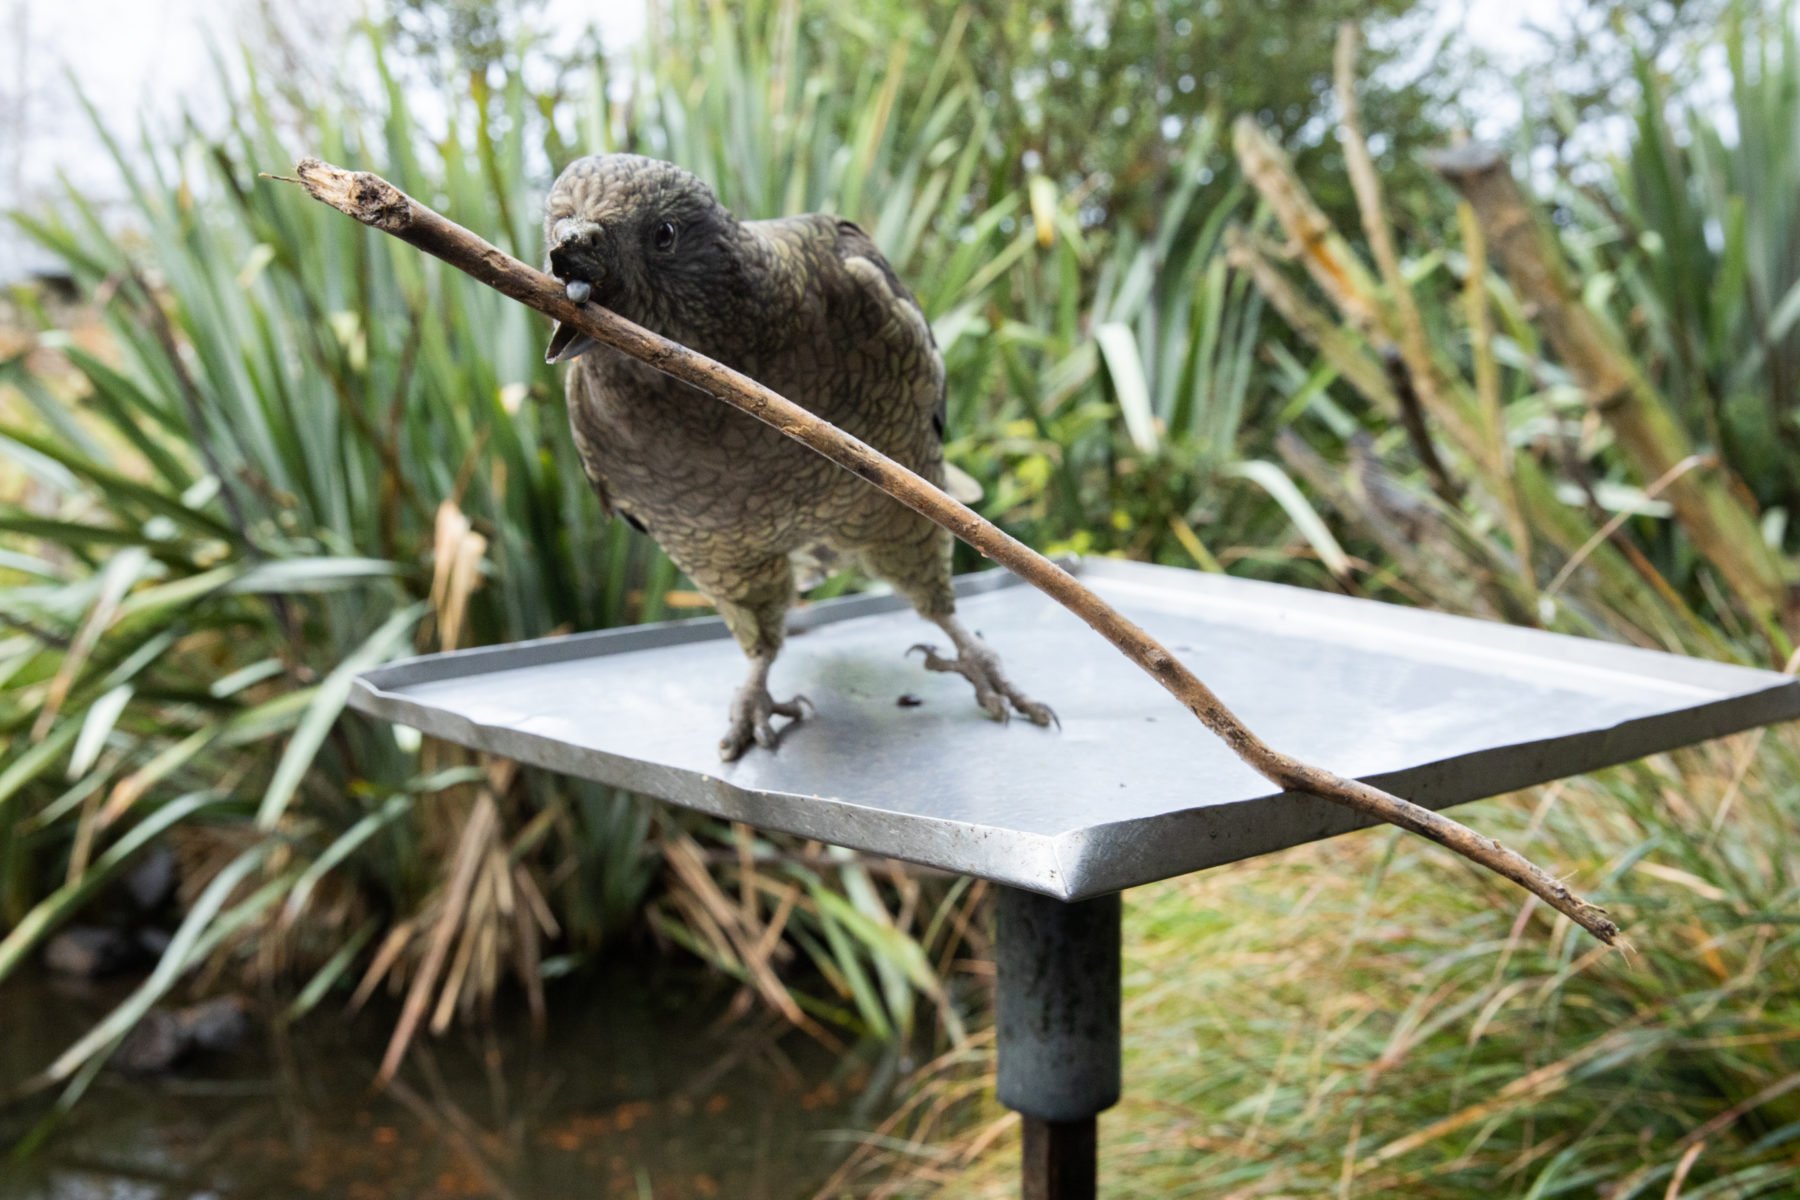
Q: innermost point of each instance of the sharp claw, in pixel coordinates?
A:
(795, 707)
(751, 723)
(994, 693)
(921, 647)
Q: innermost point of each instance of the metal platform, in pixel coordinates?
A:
(1438, 709)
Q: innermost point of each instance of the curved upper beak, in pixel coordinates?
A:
(574, 247)
(575, 260)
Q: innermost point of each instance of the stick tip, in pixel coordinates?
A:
(311, 168)
(1594, 919)
(367, 197)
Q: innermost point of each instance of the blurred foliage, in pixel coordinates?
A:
(1109, 93)
(461, 35)
(1541, 499)
(1445, 1039)
(1593, 49)
(1703, 234)
(289, 453)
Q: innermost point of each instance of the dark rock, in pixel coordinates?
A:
(216, 1025)
(152, 941)
(92, 952)
(154, 1045)
(166, 1037)
(151, 882)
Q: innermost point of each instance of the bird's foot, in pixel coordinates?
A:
(752, 713)
(993, 690)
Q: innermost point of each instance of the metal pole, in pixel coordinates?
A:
(1058, 1032)
(1059, 1160)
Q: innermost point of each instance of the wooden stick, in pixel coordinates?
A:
(377, 203)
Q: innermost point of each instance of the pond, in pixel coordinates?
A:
(645, 1086)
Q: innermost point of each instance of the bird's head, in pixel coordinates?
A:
(640, 236)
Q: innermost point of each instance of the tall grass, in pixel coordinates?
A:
(1706, 254)
(1447, 1040)
(1552, 500)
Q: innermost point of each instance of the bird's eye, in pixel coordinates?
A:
(665, 236)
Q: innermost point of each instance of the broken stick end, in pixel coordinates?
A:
(367, 197)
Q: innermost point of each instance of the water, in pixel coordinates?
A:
(642, 1088)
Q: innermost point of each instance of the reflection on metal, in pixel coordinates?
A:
(1439, 709)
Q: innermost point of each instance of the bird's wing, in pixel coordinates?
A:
(865, 261)
(872, 270)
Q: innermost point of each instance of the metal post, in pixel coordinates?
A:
(1058, 1030)
(1059, 1160)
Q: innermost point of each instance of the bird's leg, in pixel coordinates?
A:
(915, 558)
(753, 597)
(978, 664)
(752, 710)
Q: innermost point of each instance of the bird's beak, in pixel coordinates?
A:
(567, 343)
(573, 261)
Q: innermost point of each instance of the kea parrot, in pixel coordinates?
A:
(807, 306)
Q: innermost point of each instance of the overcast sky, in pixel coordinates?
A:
(136, 60)
(140, 60)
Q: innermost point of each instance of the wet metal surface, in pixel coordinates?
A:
(1437, 708)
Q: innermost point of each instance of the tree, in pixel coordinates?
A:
(1104, 92)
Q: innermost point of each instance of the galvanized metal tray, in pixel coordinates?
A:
(1436, 708)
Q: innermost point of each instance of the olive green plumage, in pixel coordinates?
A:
(805, 305)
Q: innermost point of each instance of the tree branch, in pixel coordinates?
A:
(378, 203)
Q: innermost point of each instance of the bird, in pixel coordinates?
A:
(807, 306)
